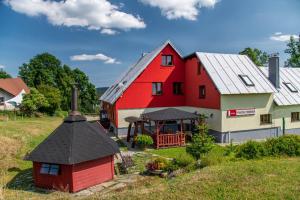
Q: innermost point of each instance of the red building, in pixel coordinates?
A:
(77, 155)
(208, 83)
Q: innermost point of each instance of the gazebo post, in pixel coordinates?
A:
(135, 134)
(129, 131)
(181, 126)
(157, 134)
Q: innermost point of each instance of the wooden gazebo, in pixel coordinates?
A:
(166, 131)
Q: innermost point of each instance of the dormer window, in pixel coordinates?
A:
(246, 80)
(291, 87)
(167, 60)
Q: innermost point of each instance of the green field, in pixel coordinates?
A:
(270, 178)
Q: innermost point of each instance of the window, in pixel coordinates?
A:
(177, 88)
(1, 100)
(202, 92)
(199, 68)
(265, 119)
(295, 116)
(167, 60)
(50, 169)
(291, 87)
(246, 80)
(157, 88)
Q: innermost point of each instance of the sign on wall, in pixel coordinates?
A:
(240, 112)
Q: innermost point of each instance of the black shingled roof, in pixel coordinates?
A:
(74, 141)
(169, 114)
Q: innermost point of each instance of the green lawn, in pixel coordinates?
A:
(259, 179)
(272, 178)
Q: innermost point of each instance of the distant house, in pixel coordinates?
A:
(11, 93)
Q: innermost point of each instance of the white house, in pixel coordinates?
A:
(11, 93)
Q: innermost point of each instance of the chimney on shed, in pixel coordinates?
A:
(74, 101)
(274, 70)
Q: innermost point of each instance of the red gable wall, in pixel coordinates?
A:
(139, 93)
(192, 83)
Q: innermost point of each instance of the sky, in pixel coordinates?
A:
(103, 38)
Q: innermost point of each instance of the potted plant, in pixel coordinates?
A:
(144, 141)
(157, 166)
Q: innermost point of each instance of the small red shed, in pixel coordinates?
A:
(77, 155)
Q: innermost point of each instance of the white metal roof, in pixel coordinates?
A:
(224, 70)
(122, 83)
(284, 96)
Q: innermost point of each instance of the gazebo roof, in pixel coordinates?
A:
(168, 114)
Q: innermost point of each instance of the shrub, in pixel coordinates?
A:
(144, 140)
(202, 143)
(157, 164)
(251, 150)
(214, 157)
(126, 163)
(185, 161)
(61, 113)
(284, 145)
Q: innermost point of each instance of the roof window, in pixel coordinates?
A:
(246, 80)
(291, 87)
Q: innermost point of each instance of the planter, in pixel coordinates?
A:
(155, 172)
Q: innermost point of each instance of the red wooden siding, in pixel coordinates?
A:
(63, 181)
(141, 88)
(112, 112)
(192, 82)
(92, 173)
(77, 177)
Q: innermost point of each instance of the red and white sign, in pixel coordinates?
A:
(240, 112)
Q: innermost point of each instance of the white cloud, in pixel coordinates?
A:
(99, 56)
(2, 66)
(278, 36)
(187, 9)
(91, 14)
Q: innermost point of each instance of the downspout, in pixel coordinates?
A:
(283, 126)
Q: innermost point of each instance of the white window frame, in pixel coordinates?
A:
(246, 80)
(291, 87)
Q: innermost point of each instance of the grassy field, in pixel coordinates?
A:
(17, 137)
(260, 179)
(272, 178)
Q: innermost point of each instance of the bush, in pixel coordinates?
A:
(251, 150)
(215, 156)
(185, 161)
(201, 144)
(144, 140)
(157, 164)
(61, 113)
(284, 145)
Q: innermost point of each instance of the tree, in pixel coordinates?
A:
(293, 48)
(52, 96)
(4, 74)
(257, 56)
(33, 102)
(201, 143)
(46, 69)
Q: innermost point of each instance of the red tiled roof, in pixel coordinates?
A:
(13, 85)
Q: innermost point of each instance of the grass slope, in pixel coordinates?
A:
(259, 179)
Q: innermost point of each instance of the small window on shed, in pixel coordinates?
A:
(246, 80)
(295, 116)
(199, 68)
(291, 87)
(1, 100)
(50, 169)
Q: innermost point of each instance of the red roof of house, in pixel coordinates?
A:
(13, 85)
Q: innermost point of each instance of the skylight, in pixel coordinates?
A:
(291, 87)
(246, 80)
